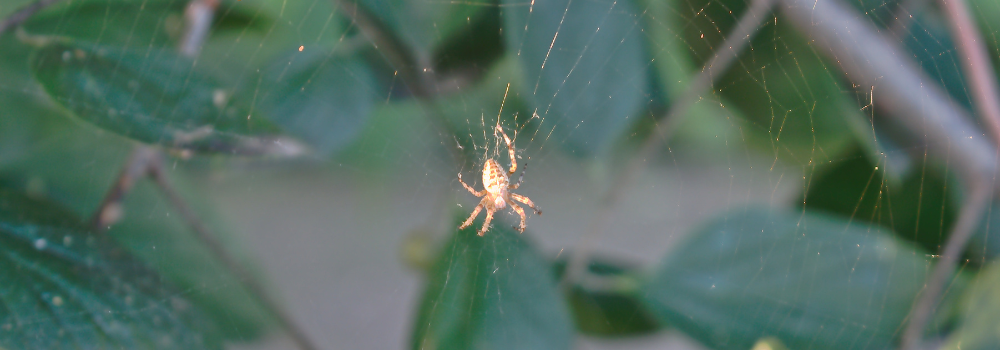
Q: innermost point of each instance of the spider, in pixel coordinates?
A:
(496, 194)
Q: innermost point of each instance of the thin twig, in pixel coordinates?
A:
(24, 13)
(110, 210)
(969, 219)
(725, 55)
(148, 161)
(395, 52)
(198, 17)
(418, 78)
(979, 71)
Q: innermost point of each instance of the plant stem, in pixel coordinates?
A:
(22, 14)
(982, 79)
(418, 78)
(725, 55)
(148, 161)
(198, 17)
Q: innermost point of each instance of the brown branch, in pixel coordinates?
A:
(148, 161)
(725, 55)
(982, 79)
(22, 14)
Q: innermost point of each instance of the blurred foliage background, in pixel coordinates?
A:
(161, 160)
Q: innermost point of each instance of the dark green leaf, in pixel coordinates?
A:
(75, 166)
(153, 96)
(64, 287)
(137, 24)
(321, 98)
(977, 328)
(492, 292)
(812, 281)
(472, 51)
(585, 67)
(919, 209)
(608, 313)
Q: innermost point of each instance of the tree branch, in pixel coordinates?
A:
(22, 14)
(979, 71)
(148, 161)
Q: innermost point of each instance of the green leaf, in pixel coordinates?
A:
(919, 209)
(608, 313)
(979, 325)
(812, 281)
(64, 287)
(75, 166)
(137, 24)
(492, 292)
(153, 96)
(793, 101)
(322, 98)
(585, 67)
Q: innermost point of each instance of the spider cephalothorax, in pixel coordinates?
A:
(496, 193)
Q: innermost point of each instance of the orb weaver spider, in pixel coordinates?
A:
(496, 193)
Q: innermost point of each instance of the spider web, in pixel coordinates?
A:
(783, 128)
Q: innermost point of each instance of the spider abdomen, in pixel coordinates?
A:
(494, 177)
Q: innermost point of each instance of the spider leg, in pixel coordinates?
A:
(510, 148)
(519, 178)
(520, 211)
(477, 194)
(486, 225)
(527, 201)
(475, 212)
